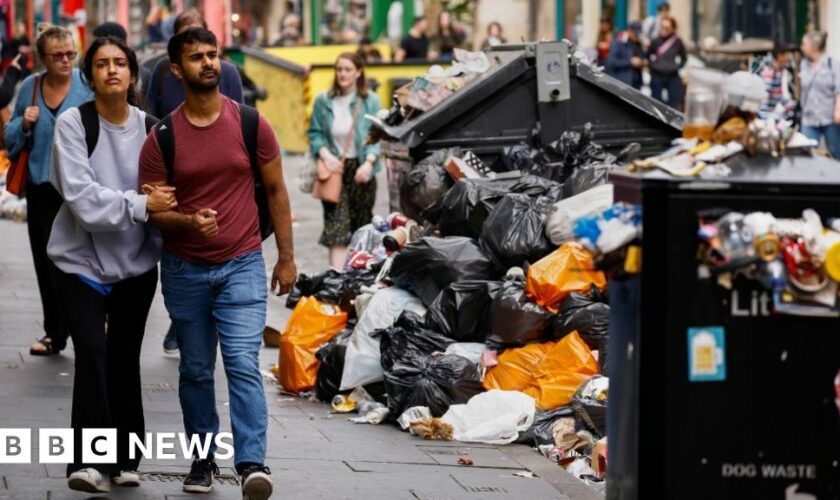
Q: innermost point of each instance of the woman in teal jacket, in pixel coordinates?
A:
(329, 127)
(60, 88)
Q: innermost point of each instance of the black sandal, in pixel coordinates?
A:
(48, 348)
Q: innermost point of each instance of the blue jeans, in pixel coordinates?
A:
(831, 134)
(230, 299)
(674, 87)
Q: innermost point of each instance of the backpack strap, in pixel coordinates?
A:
(150, 122)
(90, 121)
(166, 142)
(250, 120)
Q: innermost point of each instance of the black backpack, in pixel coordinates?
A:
(250, 119)
(90, 120)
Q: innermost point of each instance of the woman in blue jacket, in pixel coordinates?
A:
(625, 59)
(60, 88)
(332, 120)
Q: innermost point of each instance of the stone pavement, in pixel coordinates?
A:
(312, 454)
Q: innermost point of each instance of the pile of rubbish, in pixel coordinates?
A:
(427, 91)
(480, 313)
(796, 260)
(723, 119)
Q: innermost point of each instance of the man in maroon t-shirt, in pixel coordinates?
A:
(212, 271)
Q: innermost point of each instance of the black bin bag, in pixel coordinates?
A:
(516, 320)
(331, 365)
(462, 310)
(514, 233)
(408, 338)
(464, 208)
(434, 381)
(430, 264)
(424, 185)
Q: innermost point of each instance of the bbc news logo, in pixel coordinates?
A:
(99, 446)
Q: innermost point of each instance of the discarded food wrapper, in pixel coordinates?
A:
(431, 428)
(413, 414)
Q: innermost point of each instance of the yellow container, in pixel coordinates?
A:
(294, 76)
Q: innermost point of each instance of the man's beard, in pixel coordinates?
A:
(200, 85)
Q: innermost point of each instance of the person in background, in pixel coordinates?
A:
(666, 57)
(605, 36)
(165, 92)
(60, 88)
(16, 71)
(415, 46)
(819, 77)
(110, 28)
(650, 27)
(107, 258)
(778, 80)
(448, 37)
(331, 130)
(160, 24)
(495, 36)
(368, 52)
(625, 60)
(291, 34)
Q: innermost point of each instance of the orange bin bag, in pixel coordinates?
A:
(568, 363)
(515, 371)
(311, 324)
(568, 269)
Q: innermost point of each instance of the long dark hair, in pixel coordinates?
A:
(133, 66)
(361, 83)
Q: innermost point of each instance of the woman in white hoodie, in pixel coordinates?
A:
(107, 255)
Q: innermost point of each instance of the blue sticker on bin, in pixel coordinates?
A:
(706, 354)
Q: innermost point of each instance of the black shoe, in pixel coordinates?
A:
(202, 473)
(256, 485)
(170, 343)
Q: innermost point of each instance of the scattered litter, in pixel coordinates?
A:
(526, 474)
(432, 428)
(414, 414)
(465, 460)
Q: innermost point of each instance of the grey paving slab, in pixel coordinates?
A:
(313, 454)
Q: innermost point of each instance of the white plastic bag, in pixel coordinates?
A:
(560, 223)
(361, 361)
(470, 350)
(493, 417)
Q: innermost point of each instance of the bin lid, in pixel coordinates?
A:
(794, 170)
(505, 67)
(507, 64)
(628, 94)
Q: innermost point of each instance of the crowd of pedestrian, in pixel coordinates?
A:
(656, 47)
(112, 199)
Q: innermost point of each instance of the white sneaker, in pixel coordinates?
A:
(127, 478)
(89, 480)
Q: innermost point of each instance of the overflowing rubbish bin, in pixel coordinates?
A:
(534, 260)
(725, 367)
(528, 94)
